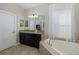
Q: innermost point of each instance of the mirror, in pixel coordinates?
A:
(36, 23)
(33, 23)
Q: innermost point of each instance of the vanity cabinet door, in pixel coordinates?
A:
(30, 39)
(21, 38)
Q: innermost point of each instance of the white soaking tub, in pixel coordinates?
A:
(59, 48)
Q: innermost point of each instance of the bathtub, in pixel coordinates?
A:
(58, 47)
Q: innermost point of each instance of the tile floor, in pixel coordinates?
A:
(20, 50)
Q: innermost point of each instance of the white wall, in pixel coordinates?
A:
(21, 13)
(40, 10)
(14, 9)
(76, 18)
(44, 10)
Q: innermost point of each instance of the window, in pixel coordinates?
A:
(62, 24)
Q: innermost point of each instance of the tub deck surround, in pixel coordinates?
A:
(45, 49)
(61, 47)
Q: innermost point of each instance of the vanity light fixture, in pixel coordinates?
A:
(33, 16)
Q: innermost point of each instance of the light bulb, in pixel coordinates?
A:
(33, 16)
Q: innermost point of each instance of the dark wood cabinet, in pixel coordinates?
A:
(30, 39)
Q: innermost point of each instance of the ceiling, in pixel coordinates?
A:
(29, 5)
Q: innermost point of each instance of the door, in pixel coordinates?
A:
(7, 29)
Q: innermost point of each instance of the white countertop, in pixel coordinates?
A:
(33, 32)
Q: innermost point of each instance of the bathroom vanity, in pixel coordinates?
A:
(30, 38)
(31, 31)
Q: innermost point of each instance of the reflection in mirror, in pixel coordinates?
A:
(21, 23)
(40, 23)
(36, 23)
(26, 23)
(31, 24)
